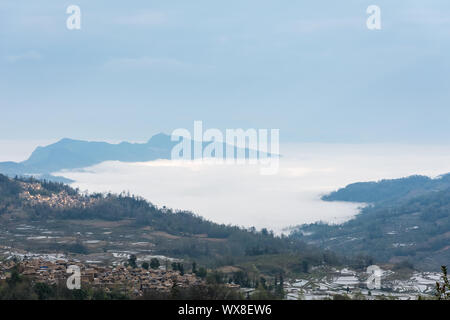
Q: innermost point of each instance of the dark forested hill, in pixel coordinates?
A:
(386, 190)
(38, 200)
(409, 219)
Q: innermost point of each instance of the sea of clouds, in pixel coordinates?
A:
(240, 195)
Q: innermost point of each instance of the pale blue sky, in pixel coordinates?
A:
(309, 68)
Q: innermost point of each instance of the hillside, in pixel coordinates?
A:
(42, 216)
(408, 220)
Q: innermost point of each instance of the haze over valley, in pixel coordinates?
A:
(239, 195)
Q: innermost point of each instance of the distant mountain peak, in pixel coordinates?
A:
(67, 141)
(159, 138)
(68, 154)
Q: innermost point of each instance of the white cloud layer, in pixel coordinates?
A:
(238, 194)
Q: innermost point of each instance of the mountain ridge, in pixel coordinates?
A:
(407, 219)
(67, 154)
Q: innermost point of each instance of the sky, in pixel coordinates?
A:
(309, 68)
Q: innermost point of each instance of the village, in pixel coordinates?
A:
(35, 194)
(321, 283)
(125, 279)
(350, 284)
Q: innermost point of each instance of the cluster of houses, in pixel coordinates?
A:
(125, 279)
(353, 284)
(33, 196)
